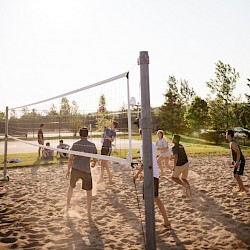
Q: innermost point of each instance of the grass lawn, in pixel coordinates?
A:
(194, 147)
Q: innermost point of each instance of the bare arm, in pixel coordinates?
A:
(110, 138)
(138, 173)
(175, 160)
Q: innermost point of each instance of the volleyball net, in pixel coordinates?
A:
(95, 107)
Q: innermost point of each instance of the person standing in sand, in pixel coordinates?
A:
(238, 159)
(157, 200)
(79, 168)
(40, 138)
(181, 165)
(165, 153)
(109, 137)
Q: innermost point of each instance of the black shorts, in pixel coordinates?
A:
(86, 179)
(106, 151)
(240, 169)
(156, 187)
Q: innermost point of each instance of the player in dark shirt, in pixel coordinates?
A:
(181, 165)
(40, 138)
(238, 159)
(109, 137)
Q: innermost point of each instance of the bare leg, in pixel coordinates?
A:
(104, 166)
(178, 181)
(69, 196)
(39, 151)
(102, 172)
(89, 202)
(108, 172)
(167, 163)
(163, 211)
(240, 183)
(159, 163)
(187, 186)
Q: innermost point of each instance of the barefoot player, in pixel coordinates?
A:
(238, 159)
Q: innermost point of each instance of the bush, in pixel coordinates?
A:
(214, 136)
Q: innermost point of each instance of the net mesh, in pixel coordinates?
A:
(95, 106)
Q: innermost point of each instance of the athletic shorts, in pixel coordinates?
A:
(240, 169)
(106, 151)
(156, 187)
(181, 170)
(166, 153)
(86, 179)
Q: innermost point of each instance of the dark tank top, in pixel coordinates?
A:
(234, 154)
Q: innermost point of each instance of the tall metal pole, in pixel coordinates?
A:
(6, 141)
(146, 126)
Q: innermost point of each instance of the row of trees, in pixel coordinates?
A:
(185, 112)
(182, 112)
(65, 118)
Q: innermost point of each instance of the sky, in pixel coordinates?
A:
(51, 47)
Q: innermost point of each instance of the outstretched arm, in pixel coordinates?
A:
(138, 173)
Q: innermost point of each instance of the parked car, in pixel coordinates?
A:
(241, 132)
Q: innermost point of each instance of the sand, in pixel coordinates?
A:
(33, 215)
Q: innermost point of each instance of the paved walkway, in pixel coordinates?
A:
(20, 147)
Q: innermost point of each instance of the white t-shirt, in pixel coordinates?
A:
(162, 143)
(154, 160)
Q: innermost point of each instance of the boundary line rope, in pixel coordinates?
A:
(102, 157)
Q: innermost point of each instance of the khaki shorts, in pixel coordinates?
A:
(166, 153)
(106, 151)
(181, 170)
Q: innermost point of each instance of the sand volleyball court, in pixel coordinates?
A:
(33, 216)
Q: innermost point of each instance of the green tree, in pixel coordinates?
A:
(76, 120)
(186, 93)
(222, 86)
(64, 113)
(170, 111)
(2, 122)
(248, 96)
(215, 111)
(102, 101)
(241, 114)
(196, 115)
(65, 107)
(53, 110)
(25, 111)
(2, 115)
(102, 112)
